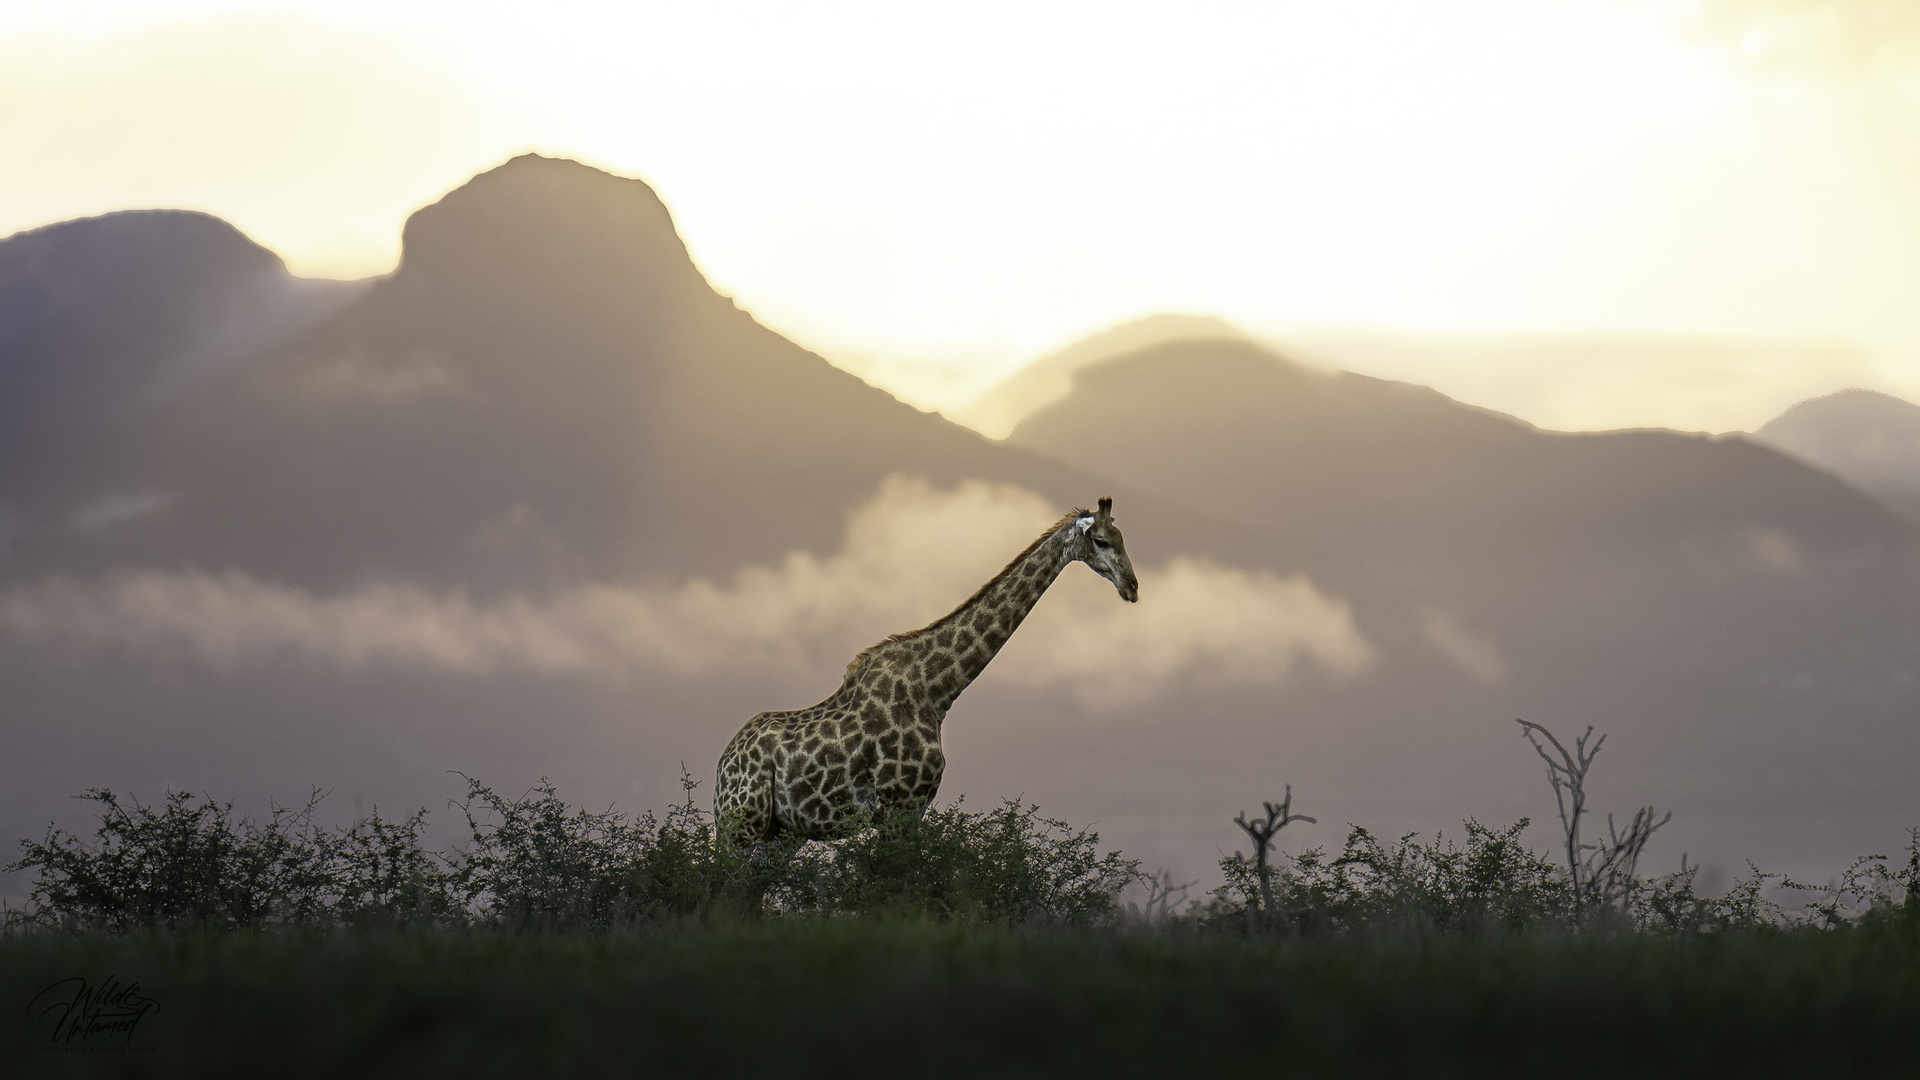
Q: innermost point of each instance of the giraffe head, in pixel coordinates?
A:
(1097, 542)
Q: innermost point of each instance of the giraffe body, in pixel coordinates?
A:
(874, 745)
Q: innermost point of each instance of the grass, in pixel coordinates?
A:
(804, 997)
(564, 942)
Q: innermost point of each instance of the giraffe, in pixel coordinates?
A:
(875, 743)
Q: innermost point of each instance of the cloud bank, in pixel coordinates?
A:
(910, 554)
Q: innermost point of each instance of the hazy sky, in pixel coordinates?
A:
(1588, 212)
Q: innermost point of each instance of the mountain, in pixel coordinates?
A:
(1046, 380)
(1871, 440)
(1400, 475)
(546, 352)
(1723, 606)
(106, 321)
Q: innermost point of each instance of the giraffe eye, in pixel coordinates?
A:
(1100, 543)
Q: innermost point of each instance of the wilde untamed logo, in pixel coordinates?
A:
(83, 1017)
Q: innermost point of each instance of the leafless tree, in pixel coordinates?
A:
(1163, 896)
(1279, 816)
(1602, 874)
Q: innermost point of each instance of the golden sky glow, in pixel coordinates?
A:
(931, 194)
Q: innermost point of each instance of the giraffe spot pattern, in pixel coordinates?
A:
(874, 744)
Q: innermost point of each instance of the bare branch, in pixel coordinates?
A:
(1603, 874)
(1163, 896)
(1262, 833)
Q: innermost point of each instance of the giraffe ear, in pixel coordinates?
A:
(1083, 524)
(1106, 510)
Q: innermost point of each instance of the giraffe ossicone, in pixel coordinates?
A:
(874, 745)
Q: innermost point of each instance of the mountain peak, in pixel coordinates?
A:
(1869, 439)
(1852, 404)
(551, 216)
(104, 317)
(69, 264)
(998, 411)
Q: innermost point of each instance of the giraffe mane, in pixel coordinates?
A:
(854, 664)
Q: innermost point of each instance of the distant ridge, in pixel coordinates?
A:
(1869, 439)
(998, 411)
(100, 307)
(1399, 472)
(1651, 575)
(104, 320)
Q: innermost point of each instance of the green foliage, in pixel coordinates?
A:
(1668, 905)
(537, 864)
(380, 876)
(1008, 866)
(188, 864)
(1492, 885)
(1872, 890)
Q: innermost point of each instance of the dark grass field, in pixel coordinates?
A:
(862, 997)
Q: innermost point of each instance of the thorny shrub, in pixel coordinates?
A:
(536, 863)
(1494, 885)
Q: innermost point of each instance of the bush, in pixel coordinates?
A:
(188, 864)
(1494, 884)
(1872, 891)
(381, 877)
(535, 863)
(1008, 866)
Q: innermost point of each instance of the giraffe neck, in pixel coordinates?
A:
(975, 632)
